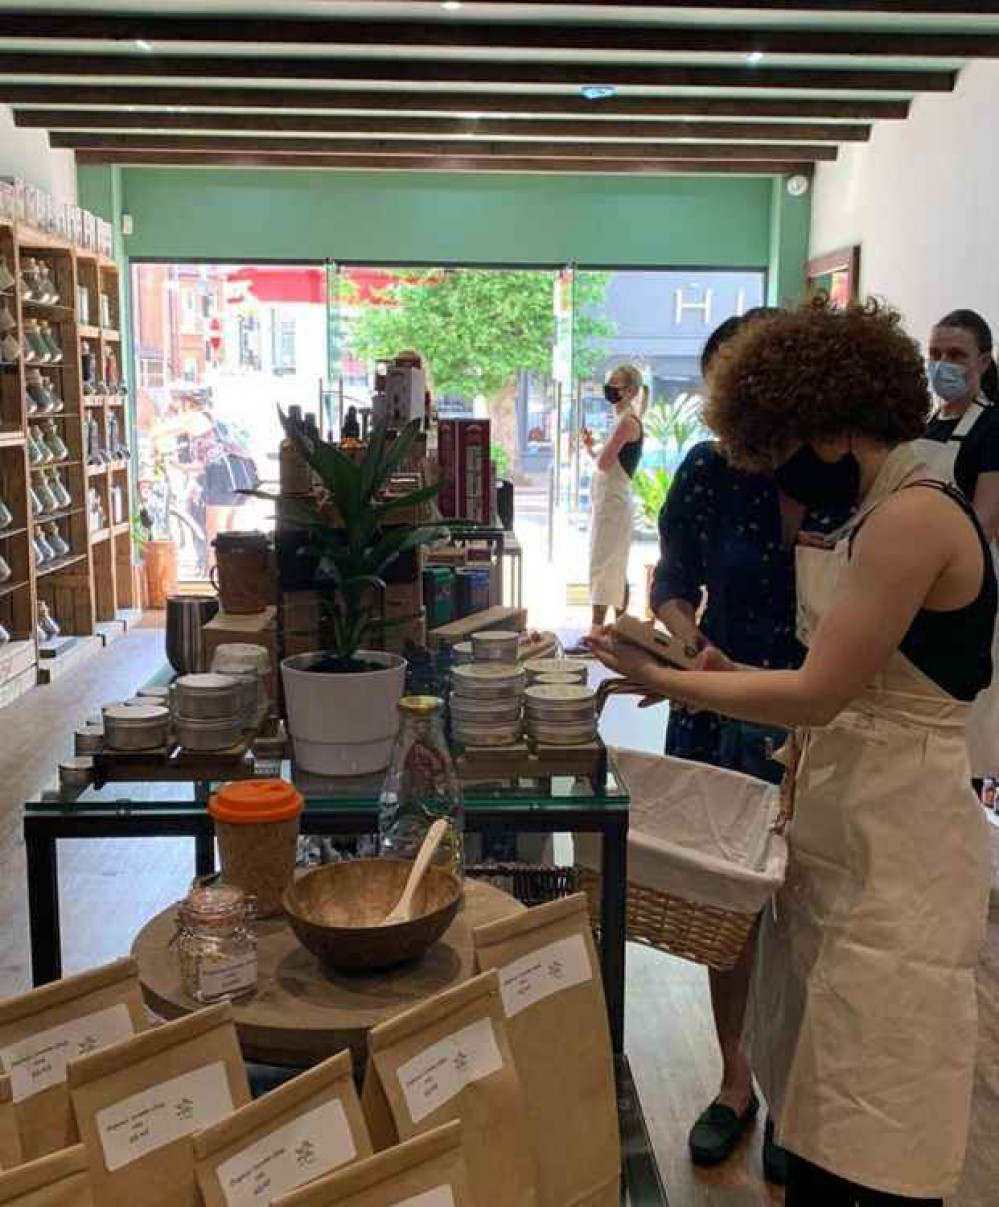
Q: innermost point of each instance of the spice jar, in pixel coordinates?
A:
(217, 946)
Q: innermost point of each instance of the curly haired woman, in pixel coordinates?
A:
(863, 1013)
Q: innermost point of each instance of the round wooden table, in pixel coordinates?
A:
(303, 1013)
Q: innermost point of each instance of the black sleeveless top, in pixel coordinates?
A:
(954, 648)
(630, 455)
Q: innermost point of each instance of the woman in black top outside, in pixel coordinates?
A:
(726, 579)
(962, 447)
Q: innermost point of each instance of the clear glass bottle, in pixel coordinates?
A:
(421, 785)
(216, 943)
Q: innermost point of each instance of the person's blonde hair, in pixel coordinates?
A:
(636, 381)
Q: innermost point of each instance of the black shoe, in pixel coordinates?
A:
(774, 1157)
(718, 1130)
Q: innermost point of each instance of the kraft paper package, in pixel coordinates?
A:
(139, 1104)
(10, 1139)
(428, 1171)
(450, 1058)
(42, 1030)
(556, 1018)
(301, 1131)
(58, 1180)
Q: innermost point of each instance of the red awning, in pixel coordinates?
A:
(282, 285)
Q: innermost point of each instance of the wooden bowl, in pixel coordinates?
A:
(336, 912)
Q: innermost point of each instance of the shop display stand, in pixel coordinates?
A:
(85, 587)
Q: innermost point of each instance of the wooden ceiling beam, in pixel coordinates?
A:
(574, 105)
(430, 127)
(167, 32)
(450, 71)
(592, 149)
(442, 163)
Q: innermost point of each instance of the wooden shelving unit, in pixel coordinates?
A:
(69, 355)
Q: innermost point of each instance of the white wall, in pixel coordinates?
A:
(26, 153)
(922, 200)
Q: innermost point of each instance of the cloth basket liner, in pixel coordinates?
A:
(697, 832)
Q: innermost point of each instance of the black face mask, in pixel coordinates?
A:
(809, 480)
(613, 393)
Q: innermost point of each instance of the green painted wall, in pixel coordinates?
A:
(240, 214)
(790, 218)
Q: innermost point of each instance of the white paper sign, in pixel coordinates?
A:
(440, 1196)
(444, 1069)
(40, 1061)
(229, 976)
(546, 971)
(146, 1121)
(308, 1147)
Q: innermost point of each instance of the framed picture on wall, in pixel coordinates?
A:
(837, 275)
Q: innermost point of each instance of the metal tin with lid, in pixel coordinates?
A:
(77, 772)
(488, 681)
(217, 734)
(576, 734)
(88, 739)
(557, 666)
(463, 653)
(136, 726)
(491, 735)
(485, 712)
(208, 697)
(492, 646)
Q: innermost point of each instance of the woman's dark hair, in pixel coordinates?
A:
(816, 373)
(972, 322)
(725, 331)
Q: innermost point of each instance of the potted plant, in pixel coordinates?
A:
(341, 701)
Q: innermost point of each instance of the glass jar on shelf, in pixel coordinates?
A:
(216, 943)
(421, 786)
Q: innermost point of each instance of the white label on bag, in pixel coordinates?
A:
(440, 1196)
(308, 1147)
(228, 976)
(153, 1118)
(40, 1061)
(444, 1069)
(546, 971)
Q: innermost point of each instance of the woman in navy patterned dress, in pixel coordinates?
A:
(725, 578)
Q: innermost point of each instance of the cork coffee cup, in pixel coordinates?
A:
(257, 824)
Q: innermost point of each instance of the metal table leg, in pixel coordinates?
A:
(204, 854)
(43, 908)
(613, 921)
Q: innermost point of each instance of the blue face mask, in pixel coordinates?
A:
(947, 380)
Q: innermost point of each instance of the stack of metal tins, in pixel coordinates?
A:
(562, 714)
(486, 703)
(496, 647)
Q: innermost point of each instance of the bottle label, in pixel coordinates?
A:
(442, 1071)
(220, 977)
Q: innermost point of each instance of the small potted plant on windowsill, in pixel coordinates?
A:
(342, 700)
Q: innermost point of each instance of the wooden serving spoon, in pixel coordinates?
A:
(403, 911)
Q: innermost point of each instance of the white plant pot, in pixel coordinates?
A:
(343, 724)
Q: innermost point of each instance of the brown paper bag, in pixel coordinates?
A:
(139, 1103)
(553, 1000)
(58, 1180)
(42, 1030)
(301, 1131)
(426, 1172)
(10, 1139)
(450, 1058)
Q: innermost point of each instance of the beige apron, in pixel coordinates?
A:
(610, 535)
(863, 1016)
(983, 726)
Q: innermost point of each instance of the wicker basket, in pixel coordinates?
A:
(701, 933)
(530, 884)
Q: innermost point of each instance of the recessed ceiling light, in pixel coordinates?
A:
(452, 6)
(142, 44)
(754, 57)
(598, 92)
(472, 117)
